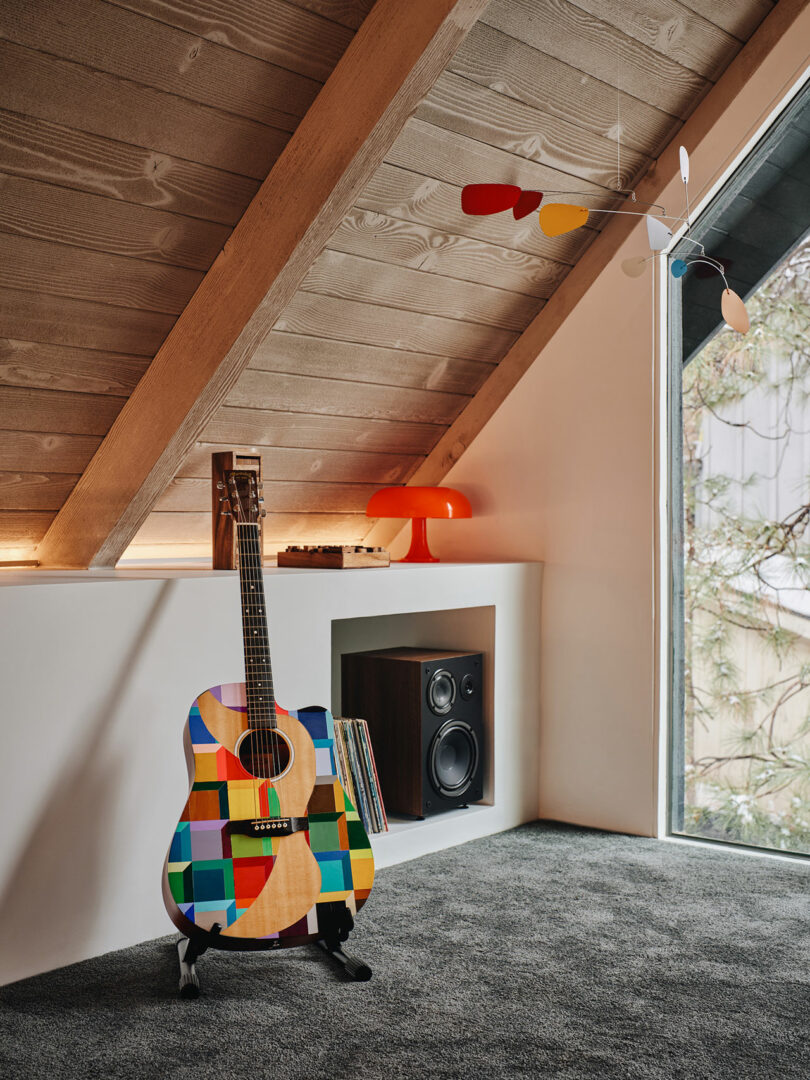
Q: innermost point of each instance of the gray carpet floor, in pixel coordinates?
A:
(547, 951)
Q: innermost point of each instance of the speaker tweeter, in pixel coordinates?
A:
(441, 692)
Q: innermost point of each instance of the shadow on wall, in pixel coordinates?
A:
(63, 861)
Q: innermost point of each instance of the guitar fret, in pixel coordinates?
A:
(259, 691)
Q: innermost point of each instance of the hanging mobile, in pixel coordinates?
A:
(558, 218)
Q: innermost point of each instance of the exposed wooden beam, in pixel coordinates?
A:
(702, 126)
(393, 60)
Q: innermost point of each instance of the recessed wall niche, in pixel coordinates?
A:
(470, 629)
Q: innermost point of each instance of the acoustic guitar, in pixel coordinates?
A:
(269, 851)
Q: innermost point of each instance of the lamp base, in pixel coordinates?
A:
(419, 550)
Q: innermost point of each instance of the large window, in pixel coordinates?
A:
(741, 513)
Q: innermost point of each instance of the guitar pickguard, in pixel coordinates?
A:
(216, 875)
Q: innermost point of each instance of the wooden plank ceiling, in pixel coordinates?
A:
(133, 134)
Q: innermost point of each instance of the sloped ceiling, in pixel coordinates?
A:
(134, 133)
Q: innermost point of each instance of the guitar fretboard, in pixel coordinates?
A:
(261, 702)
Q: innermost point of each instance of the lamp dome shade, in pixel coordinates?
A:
(419, 502)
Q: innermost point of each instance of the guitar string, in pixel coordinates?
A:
(271, 739)
(234, 500)
(243, 572)
(262, 708)
(259, 653)
(257, 648)
(267, 673)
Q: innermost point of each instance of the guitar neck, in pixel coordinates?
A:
(261, 701)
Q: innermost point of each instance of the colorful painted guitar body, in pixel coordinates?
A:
(269, 851)
(271, 890)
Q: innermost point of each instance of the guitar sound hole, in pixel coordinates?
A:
(265, 752)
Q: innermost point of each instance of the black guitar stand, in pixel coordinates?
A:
(188, 951)
(337, 923)
(334, 919)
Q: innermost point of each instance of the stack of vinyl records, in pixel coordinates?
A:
(358, 773)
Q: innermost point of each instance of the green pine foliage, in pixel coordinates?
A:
(737, 564)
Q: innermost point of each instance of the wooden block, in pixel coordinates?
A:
(334, 557)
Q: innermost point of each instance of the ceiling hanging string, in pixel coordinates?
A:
(619, 187)
(618, 115)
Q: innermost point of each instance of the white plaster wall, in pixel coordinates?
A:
(98, 678)
(99, 671)
(566, 472)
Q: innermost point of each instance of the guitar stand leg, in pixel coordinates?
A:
(189, 980)
(188, 952)
(336, 923)
(353, 967)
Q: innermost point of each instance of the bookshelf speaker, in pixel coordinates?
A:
(425, 717)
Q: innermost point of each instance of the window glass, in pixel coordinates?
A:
(746, 572)
(739, 501)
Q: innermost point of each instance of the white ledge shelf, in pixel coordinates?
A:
(101, 668)
(411, 838)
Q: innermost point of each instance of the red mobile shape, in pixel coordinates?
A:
(488, 198)
(527, 203)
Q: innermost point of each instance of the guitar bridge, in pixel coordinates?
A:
(270, 826)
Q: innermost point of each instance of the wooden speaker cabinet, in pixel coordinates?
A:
(425, 715)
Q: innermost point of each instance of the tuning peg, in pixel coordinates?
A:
(220, 485)
(261, 501)
(226, 513)
(264, 513)
(223, 498)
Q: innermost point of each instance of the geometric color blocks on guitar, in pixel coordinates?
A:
(215, 872)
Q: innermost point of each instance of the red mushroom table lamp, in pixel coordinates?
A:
(418, 503)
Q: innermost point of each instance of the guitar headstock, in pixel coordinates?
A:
(242, 498)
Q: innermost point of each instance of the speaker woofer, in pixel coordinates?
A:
(453, 758)
(441, 692)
